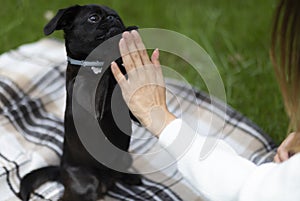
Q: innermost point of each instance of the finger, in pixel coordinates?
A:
(282, 154)
(276, 159)
(155, 58)
(133, 51)
(156, 63)
(141, 47)
(127, 61)
(120, 78)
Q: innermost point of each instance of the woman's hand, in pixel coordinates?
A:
(144, 89)
(289, 147)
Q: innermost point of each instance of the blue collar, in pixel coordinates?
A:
(95, 64)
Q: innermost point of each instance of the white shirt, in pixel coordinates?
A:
(223, 175)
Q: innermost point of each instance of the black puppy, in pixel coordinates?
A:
(88, 102)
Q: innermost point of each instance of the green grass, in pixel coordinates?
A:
(235, 33)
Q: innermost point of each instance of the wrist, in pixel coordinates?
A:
(159, 119)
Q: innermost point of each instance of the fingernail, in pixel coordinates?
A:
(157, 50)
(156, 53)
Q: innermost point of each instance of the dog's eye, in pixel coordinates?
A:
(110, 17)
(94, 18)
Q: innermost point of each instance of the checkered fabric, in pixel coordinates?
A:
(32, 101)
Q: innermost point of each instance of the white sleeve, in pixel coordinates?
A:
(223, 175)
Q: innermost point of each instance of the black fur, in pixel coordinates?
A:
(84, 178)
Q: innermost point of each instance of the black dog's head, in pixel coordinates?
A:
(85, 27)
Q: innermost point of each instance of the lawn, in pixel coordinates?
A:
(235, 33)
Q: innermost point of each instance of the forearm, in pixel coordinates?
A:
(223, 175)
(219, 176)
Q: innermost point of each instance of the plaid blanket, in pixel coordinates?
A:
(32, 100)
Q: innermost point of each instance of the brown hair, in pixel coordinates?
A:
(285, 55)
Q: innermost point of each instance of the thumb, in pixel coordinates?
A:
(155, 58)
(120, 78)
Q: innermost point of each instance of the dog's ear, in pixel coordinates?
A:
(62, 20)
